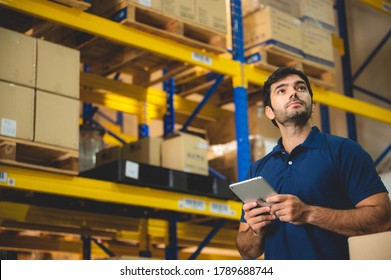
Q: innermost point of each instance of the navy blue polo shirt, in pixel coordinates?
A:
(327, 171)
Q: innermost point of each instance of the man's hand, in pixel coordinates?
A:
(289, 208)
(257, 217)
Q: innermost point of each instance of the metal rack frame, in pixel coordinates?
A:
(241, 73)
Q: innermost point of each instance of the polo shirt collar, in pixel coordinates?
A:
(313, 140)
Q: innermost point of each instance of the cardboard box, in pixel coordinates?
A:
(108, 155)
(375, 246)
(152, 4)
(16, 111)
(186, 152)
(319, 12)
(58, 69)
(291, 7)
(317, 44)
(270, 26)
(213, 13)
(146, 150)
(18, 54)
(180, 9)
(57, 120)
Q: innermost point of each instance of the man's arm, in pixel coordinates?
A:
(370, 215)
(249, 239)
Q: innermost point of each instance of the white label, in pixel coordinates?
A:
(145, 2)
(8, 127)
(3, 176)
(221, 208)
(131, 169)
(202, 146)
(201, 58)
(194, 204)
(11, 182)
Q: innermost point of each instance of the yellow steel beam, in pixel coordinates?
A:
(62, 185)
(352, 105)
(330, 98)
(123, 251)
(152, 96)
(19, 217)
(381, 5)
(125, 35)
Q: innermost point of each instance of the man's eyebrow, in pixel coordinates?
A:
(300, 83)
(280, 86)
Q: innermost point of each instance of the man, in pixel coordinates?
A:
(328, 188)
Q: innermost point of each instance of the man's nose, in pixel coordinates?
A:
(292, 93)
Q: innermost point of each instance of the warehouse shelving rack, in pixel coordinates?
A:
(242, 74)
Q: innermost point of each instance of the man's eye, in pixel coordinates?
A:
(301, 88)
(281, 91)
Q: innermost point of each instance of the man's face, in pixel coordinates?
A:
(290, 101)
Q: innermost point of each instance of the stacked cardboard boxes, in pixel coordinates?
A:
(18, 54)
(182, 151)
(146, 150)
(279, 23)
(208, 13)
(270, 26)
(40, 84)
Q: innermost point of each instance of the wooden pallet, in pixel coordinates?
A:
(179, 30)
(273, 57)
(32, 155)
(77, 4)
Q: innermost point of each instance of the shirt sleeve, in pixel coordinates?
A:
(357, 172)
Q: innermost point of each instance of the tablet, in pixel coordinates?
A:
(255, 189)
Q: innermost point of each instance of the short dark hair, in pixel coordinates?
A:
(278, 75)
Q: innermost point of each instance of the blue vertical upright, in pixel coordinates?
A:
(143, 128)
(169, 128)
(240, 93)
(169, 117)
(346, 66)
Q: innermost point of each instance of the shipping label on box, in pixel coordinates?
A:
(151, 4)
(270, 26)
(180, 9)
(186, 152)
(213, 13)
(57, 120)
(58, 69)
(17, 111)
(18, 55)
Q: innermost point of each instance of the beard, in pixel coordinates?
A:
(298, 117)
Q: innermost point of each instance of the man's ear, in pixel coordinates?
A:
(269, 113)
(313, 106)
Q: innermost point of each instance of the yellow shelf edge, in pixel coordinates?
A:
(104, 191)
